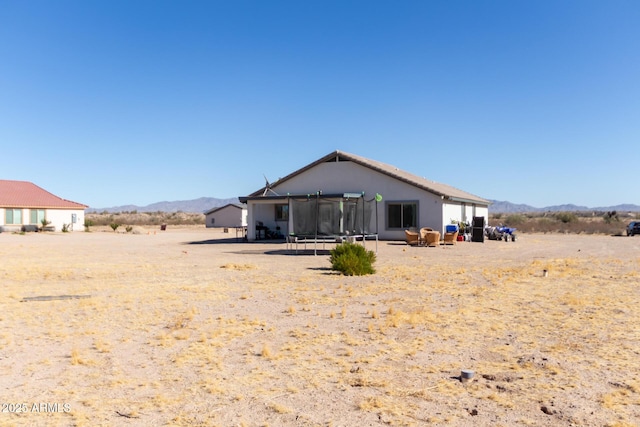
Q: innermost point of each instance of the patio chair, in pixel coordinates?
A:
(433, 239)
(412, 238)
(423, 234)
(450, 238)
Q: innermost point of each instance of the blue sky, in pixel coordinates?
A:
(133, 102)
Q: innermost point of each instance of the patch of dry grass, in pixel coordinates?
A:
(181, 339)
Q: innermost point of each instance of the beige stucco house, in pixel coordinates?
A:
(227, 216)
(23, 205)
(349, 189)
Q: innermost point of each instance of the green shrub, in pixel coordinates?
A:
(610, 217)
(44, 223)
(114, 226)
(566, 217)
(352, 259)
(515, 219)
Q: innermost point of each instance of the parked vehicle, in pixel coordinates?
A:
(500, 233)
(633, 228)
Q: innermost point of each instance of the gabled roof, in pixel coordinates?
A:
(444, 190)
(23, 194)
(232, 205)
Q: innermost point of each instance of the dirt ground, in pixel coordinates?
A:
(190, 327)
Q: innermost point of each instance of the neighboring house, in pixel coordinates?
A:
(25, 205)
(404, 200)
(227, 216)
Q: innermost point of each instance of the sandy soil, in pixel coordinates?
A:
(189, 327)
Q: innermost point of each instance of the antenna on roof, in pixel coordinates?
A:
(267, 187)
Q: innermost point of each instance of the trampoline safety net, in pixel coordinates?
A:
(333, 216)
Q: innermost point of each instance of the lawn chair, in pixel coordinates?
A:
(433, 239)
(423, 234)
(412, 238)
(450, 238)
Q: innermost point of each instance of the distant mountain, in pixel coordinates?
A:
(498, 206)
(200, 205)
(203, 204)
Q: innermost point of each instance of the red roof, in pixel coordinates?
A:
(23, 194)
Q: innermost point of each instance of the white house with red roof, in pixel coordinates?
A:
(24, 205)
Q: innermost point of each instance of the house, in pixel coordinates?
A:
(227, 216)
(24, 205)
(354, 194)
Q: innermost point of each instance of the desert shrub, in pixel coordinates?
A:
(352, 259)
(87, 223)
(592, 222)
(128, 228)
(44, 223)
(566, 217)
(66, 228)
(147, 218)
(515, 219)
(114, 226)
(610, 217)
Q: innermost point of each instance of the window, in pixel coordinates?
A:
(282, 212)
(37, 215)
(402, 215)
(13, 216)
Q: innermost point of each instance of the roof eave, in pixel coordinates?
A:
(468, 200)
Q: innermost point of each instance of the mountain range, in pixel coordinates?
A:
(204, 204)
(498, 206)
(200, 205)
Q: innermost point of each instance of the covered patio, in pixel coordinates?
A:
(315, 219)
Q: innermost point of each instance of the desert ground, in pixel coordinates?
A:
(189, 327)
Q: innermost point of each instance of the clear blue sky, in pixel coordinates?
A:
(133, 102)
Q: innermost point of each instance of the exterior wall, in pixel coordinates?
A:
(265, 212)
(58, 218)
(341, 177)
(454, 211)
(482, 211)
(230, 216)
(350, 177)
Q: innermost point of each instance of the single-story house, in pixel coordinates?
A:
(227, 216)
(348, 194)
(24, 205)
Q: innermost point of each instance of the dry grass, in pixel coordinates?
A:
(232, 334)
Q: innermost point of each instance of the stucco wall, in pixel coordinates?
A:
(341, 177)
(230, 216)
(264, 211)
(463, 212)
(57, 217)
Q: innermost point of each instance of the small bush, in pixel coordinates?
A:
(66, 228)
(352, 259)
(611, 217)
(44, 223)
(566, 217)
(114, 226)
(515, 219)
